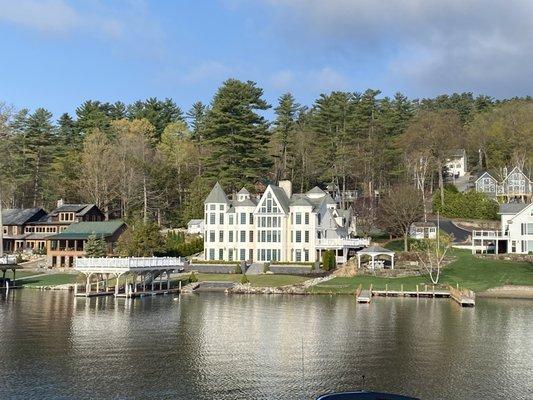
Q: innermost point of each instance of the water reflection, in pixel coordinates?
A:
(231, 347)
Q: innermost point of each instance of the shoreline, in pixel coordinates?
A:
(508, 292)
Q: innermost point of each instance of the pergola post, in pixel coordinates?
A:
(87, 284)
(97, 283)
(392, 261)
(373, 262)
(358, 261)
(168, 280)
(116, 286)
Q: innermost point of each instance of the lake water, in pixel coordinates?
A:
(217, 346)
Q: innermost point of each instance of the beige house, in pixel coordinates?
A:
(277, 226)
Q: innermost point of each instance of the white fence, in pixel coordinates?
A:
(488, 234)
(128, 263)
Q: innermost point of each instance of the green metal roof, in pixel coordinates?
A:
(82, 230)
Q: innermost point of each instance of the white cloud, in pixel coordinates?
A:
(282, 80)
(431, 45)
(46, 16)
(206, 71)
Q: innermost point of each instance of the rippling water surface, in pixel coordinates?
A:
(216, 346)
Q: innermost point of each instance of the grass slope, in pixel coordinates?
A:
(471, 272)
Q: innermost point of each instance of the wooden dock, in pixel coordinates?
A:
(464, 297)
(364, 295)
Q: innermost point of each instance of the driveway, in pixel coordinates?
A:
(459, 235)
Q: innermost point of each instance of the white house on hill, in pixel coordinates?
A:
(277, 226)
(195, 227)
(423, 230)
(515, 186)
(515, 235)
(456, 163)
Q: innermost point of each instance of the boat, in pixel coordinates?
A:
(364, 395)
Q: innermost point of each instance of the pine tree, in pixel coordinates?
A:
(237, 135)
(95, 246)
(160, 113)
(196, 116)
(284, 127)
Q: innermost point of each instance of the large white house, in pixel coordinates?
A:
(515, 235)
(277, 226)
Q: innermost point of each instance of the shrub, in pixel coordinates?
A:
(244, 279)
(466, 205)
(266, 268)
(238, 269)
(329, 261)
(193, 278)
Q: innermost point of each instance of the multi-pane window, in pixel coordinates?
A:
(251, 235)
(269, 236)
(230, 255)
(220, 254)
(306, 236)
(221, 236)
(211, 254)
(243, 236)
(230, 219)
(221, 219)
(212, 207)
(211, 236)
(298, 255)
(298, 218)
(212, 217)
(306, 255)
(307, 218)
(298, 236)
(251, 218)
(243, 218)
(221, 207)
(230, 236)
(243, 254)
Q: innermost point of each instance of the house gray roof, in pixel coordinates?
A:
(245, 202)
(316, 190)
(422, 224)
(243, 191)
(217, 195)
(300, 201)
(481, 174)
(281, 196)
(456, 153)
(512, 208)
(79, 209)
(21, 216)
(195, 221)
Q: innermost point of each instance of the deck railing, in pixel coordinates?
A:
(8, 260)
(488, 234)
(128, 262)
(349, 242)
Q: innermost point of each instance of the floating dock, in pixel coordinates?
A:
(464, 297)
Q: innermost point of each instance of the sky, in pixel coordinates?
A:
(59, 53)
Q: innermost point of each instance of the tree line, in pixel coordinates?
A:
(151, 161)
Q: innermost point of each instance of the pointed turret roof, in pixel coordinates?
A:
(217, 195)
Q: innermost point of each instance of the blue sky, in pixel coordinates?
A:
(58, 53)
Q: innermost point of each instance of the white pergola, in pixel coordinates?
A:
(373, 252)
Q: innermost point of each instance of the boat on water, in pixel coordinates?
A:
(364, 395)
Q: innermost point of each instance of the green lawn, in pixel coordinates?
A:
(468, 271)
(20, 273)
(49, 280)
(256, 280)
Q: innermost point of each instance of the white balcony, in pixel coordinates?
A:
(489, 235)
(342, 243)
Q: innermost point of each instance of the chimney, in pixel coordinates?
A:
(286, 185)
(60, 202)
